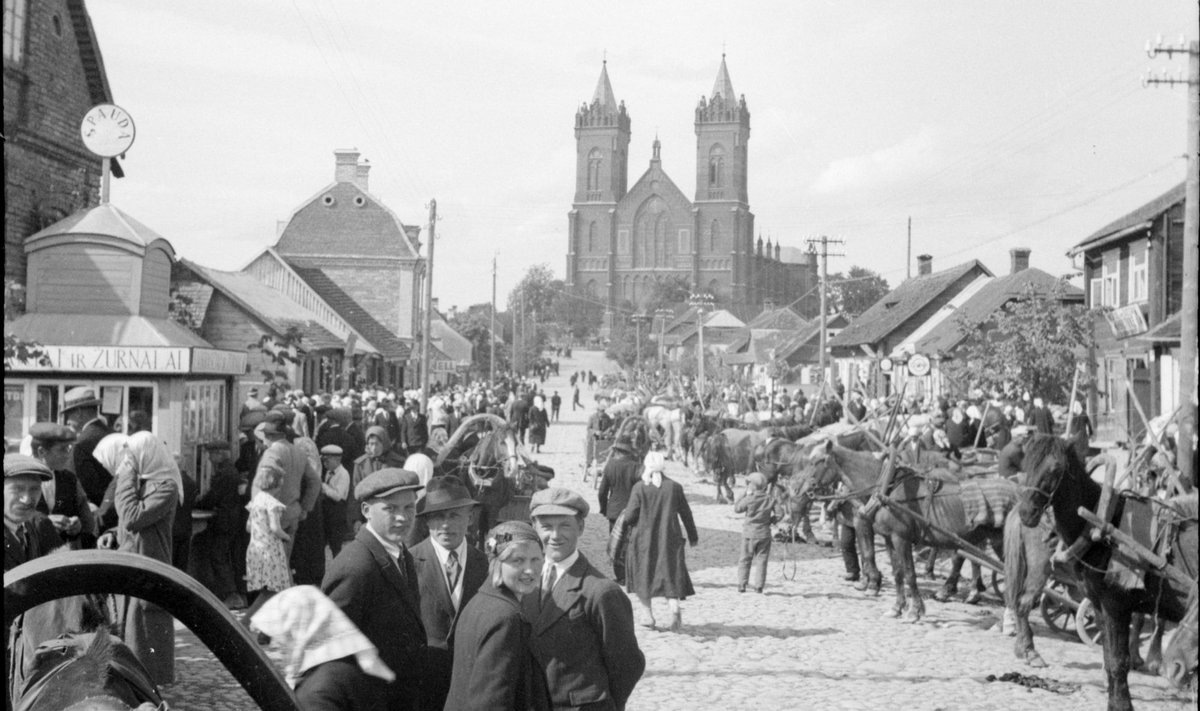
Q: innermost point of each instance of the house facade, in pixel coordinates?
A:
(1133, 273)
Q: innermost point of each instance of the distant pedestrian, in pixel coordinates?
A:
(1042, 418)
(539, 422)
(555, 405)
(575, 403)
(759, 507)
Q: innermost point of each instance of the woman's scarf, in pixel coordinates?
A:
(652, 469)
(311, 630)
(152, 461)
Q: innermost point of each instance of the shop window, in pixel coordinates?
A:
(14, 412)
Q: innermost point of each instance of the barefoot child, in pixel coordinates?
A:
(759, 507)
(267, 569)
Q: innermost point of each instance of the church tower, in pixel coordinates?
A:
(724, 224)
(601, 180)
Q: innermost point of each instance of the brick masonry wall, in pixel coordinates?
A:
(48, 173)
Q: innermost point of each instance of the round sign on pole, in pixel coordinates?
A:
(918, 365)
(107, 130)
(886, 365)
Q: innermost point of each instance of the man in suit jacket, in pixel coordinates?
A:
(81, 410)
(27, 533)
(449, 573)
(582, 622)
(373, 580)
(301, 481)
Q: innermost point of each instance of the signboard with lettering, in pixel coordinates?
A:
(218, 362)
(1127, 321)
(147, 360)
(918, 365)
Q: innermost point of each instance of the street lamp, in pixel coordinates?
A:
(662, 314)
(638, 320)
(701, 301)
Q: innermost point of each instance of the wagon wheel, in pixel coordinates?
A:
(1088, 625)
(998, 584)
(1059, 616)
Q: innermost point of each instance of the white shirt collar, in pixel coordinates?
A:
(392, 549)
(561, 567)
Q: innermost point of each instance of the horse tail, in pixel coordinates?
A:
(1016, 565)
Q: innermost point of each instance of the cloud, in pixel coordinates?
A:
(906, 159)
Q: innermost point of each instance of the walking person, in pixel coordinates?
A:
(655, 564)
(575, 403)
(555, 405)
(759, 507)
(267, 570)
(539, 422)
(620, 474)
(493, 665)
(582, 633)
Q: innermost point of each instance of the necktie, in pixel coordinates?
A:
(453, 570)
(548, 588)
(23, 538)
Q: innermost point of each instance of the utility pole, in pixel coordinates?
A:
(825, 255)
(908, 254)
(1191, 255)
(492, 331)
(425, 364)
(521, 357)
(700, 301)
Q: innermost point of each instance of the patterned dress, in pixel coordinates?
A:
(266, 559)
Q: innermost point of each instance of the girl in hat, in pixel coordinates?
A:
(493, 667)
(267, 570)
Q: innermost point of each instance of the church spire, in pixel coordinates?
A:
(604, 92)
(723, 87)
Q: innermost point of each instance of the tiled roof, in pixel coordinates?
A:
(89, 53)
(778, 319)
(345, 228)
(389, 344)
(901, 304)
(1145, 213)
(995, 294)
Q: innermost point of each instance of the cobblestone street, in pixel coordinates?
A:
(812, 642)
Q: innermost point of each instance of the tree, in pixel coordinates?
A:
(180, 311)
(531, 301)
(16, 349)
(1034, 343)
(475, 325)
(575, 313)
(622, 344)
(669, 292)
(280, 351)
(857, 291)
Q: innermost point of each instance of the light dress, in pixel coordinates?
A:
(266, 558)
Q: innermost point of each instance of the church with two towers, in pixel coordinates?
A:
(622, 240)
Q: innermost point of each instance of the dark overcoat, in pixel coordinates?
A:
(438, 613)
(41, 535)
(493, 666)
(583, 639)
(338, 685)
(383, 602)
(654, 564)
(620, 474)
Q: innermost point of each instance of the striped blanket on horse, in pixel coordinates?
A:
(967, 504)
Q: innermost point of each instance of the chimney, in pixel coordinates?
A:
(1020, 259)
(345, 168)
(360, 175)
(768, 305)
(924, 264)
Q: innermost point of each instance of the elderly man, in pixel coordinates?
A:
(63, 499)
(582, 622)
(449, 573)
(373, 580)
(301, 482)
(27, 533)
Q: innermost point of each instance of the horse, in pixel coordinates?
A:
(666, 415)
(1180, 658)
(1057, 478)
(482, 453)
(945, 505)
(727, 454)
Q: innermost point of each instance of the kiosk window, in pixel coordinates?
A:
(14, 412)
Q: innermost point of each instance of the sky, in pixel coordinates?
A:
(991, 125)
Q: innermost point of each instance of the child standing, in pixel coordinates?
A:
(759, 507)
(267, 570)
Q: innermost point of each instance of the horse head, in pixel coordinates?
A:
(1180, 657)
(1046, 464)
(822, 472)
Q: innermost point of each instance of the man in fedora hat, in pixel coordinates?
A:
(27, 533)
(374, 582)
(81, 410)
(449, 572)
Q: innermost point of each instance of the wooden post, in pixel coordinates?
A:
(1135, 550)
(982, 422)
(1071, 402)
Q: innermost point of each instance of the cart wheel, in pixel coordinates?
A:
(998, 584)
(1088, 625)
(1058, 616)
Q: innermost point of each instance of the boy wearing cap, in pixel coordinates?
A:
(27, 533)
(582, 622)
(759, 507)
(373, 580)
(63, 499)
(335, 489)
(449, 573)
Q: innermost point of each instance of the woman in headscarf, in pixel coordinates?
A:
(326, 658)
(146, 491)
(655, 564)
(493, 666)
(539, 422)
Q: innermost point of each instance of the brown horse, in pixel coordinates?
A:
(913, 499)
(1057, 477)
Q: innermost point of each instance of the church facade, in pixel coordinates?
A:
(622, 240)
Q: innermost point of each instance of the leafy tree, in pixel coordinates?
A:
(669, 292)
(180, 311)
(475, 324)
(280, 351)
(16, 349)
(622, 345)
(1033, 343)
(857, 290)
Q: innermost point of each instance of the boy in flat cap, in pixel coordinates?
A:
(63, 498)
(27, 533)
(449, 573)
(373, 580)
(582, 622)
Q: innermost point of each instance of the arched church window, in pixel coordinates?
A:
(651, 244)
(593, 175)
(716, 166)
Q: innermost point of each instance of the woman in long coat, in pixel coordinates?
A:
(538, 424)
(147, 486)
(654, 564)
